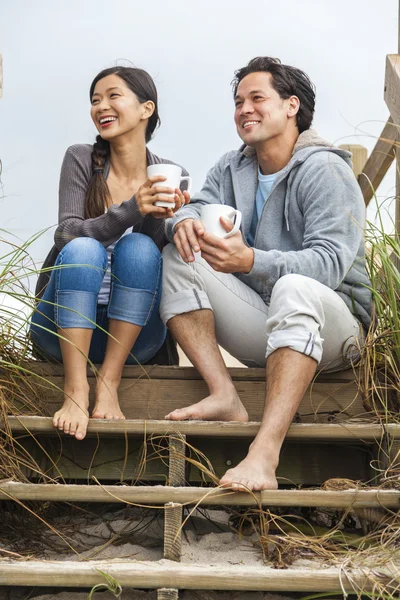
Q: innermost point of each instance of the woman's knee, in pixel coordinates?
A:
(137, 262)
(83, 251)
(136, 247)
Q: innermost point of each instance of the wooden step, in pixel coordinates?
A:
(366, 432)
(45, 369)
(151, 392)
(148, 393)
(159, 495)
(160, 574)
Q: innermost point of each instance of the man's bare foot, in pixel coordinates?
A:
(253, 473)
(218, 407)
(107, 405)
(73, 416)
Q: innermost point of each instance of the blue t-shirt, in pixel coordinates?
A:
(265, 184)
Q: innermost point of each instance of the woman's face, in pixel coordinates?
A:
(116, 110)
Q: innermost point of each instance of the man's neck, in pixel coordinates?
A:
(274, 154)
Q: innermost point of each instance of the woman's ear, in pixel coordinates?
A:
(148, 109)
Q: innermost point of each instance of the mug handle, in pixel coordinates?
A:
(189, 180)
(237, 224)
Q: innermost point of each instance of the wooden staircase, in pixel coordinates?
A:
(332, 438)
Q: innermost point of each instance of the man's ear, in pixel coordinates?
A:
(293, 106)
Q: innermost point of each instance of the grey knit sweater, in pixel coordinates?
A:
(76, 173)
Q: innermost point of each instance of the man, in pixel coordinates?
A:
(290, 290)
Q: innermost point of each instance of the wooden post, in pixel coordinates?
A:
(167, 594)
(173, 510)
(359, 156)
(397, 213)
(379, 161)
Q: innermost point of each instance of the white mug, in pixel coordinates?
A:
(210, 217)
(173, 173)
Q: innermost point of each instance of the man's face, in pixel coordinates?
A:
(260, 113)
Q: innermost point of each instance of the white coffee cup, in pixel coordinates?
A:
(173, 173)
(210, 217)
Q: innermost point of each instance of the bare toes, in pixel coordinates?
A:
(97, 415)
(180, 414)
(239, 486)
(81, 432)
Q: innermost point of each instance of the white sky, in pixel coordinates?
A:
(52, 49)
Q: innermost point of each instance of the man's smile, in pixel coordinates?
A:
(247, 124)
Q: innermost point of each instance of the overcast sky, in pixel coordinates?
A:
(52, 49)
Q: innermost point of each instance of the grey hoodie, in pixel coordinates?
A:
(311, 224)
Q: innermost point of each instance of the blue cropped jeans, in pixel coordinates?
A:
(70, 298)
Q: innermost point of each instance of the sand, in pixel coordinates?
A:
(152, 595)
(208, 539)
(185, 595)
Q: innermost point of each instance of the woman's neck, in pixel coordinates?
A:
(128, 158)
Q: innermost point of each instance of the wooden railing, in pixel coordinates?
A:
(387, 148)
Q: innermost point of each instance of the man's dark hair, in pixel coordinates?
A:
(287, 81)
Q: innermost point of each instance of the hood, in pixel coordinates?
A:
(307, 143)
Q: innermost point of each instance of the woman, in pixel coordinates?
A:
(107, 250)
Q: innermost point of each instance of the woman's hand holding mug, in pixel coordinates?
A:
(152, 191)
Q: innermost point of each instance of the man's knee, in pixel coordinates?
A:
(170, 254)
(176, 273)
(294, 283)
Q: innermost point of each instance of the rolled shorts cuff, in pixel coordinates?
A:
(183, 302)
(305, 342)
(131, 304)
(75, 309)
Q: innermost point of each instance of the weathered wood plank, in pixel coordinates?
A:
(379, 161)
(159, 495)
(392, 99)
(367, 432)
(119, 459)
(392, 86)
(154, 398)
(152, 575)
(160, 372)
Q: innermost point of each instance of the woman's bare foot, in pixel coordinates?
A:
(107, 405)
(224, 406)
(73, 416)
(253, 473)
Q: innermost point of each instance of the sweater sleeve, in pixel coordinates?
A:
(74, 182)
(334, 214)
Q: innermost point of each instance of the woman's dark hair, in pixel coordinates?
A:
(287, 81)
(142, 85)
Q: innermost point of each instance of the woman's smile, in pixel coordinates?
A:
(107, 120)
